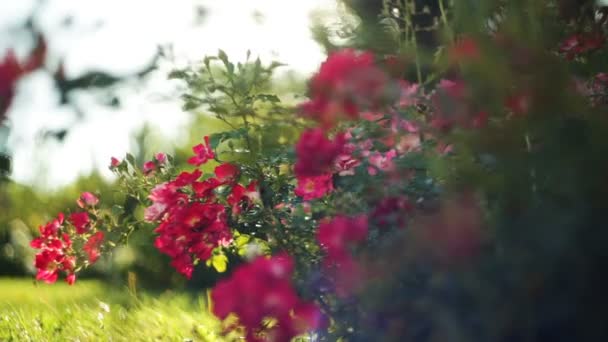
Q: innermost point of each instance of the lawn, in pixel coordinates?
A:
(92, 311)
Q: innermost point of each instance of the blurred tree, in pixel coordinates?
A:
(12, 70)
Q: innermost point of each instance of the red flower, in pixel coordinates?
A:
(346, 82)
(91, 247)
(87, 199)
(80, 221)
(381, 162)
(262, 289)
(242, 196)
(190, 231)
(310, 188)
(202, 153)
(226, 173)
(315, 153)
(338, 68)
(187, 178)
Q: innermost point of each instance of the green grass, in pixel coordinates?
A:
(91, 311)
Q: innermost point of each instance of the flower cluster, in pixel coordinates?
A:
(55, 254)
(192, 218)
(262, 290)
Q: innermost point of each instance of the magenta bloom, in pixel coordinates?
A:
(262, 289)
(91, 247)
(149, 167)
(87, 199)
(226, 173)
(55, 252)
(310, 188)
(80, 221)
(160, 157)
(114, 162)
(316, 154)
(202, 153)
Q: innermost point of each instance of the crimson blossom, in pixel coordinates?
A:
(347, 82)
(261, 290)
(55, 254)
(315, 153)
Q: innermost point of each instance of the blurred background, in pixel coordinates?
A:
(82, 82)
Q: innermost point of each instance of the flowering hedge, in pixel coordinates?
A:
(383, 208)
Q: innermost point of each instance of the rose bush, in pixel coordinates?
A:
(455, 207)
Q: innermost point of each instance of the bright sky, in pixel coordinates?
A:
(121, 36)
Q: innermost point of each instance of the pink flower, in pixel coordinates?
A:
(164, 197)
(310, 188)
(409, 93)
(381, 162)
(160, 157)
(345, 165)
(87, 199)
(202, 153)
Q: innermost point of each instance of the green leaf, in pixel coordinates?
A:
(222, 56)
(130, 159)
(275, 65)
(178, 74)
(268, 98)
(117, 210)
